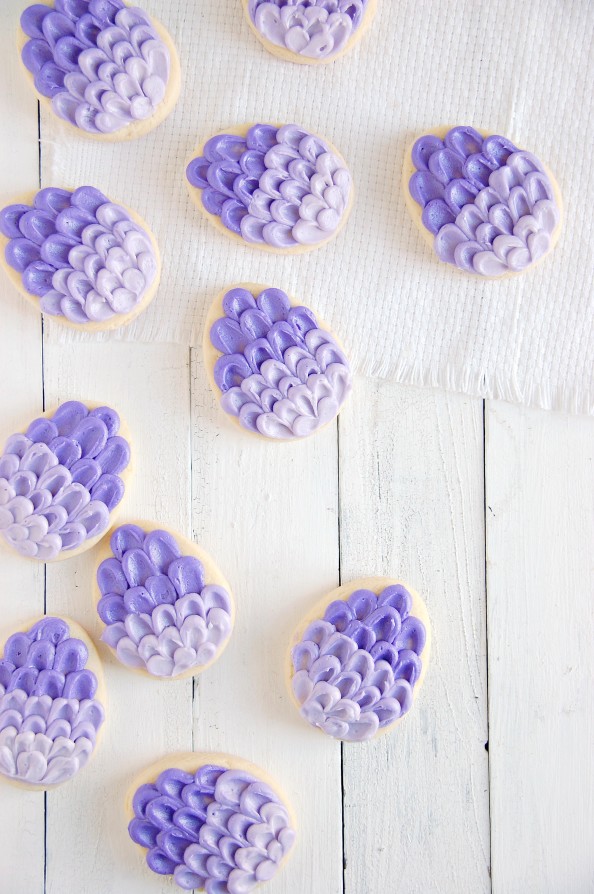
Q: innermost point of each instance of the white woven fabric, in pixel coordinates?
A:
(524, 70)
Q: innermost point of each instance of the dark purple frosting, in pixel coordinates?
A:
(490, 206)
(100, 62)
(60, 480)
(47, 661)
(218, 830)
(80, 254)
(49, 716)
(356, 668)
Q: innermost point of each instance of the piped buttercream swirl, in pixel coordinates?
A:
(80, 254)
(49, 716)
(160, 614)
(355, 669)
(490, 206)
(219, 830)
(315, 29)
(101, 63)
(280, 374)
(281, 187)
(60, 480)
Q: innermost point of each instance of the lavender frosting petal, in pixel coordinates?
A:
(81, 254)
(60, 480)
(219, 830)
(316, 29)
(281, 187)
(159, 613)
(279, 374)
(490, 206)
(49, 716)
(355, 669)
(101, 64)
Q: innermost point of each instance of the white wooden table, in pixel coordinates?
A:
(486, 509)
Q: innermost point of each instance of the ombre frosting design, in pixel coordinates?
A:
(49, 716)
(60, 480)
(280, 374)
(278, 186)
(160, 614)
(355, 669)
(490, 206)
(99, 62)
(315, 29)
(218, 830)
(80, 254)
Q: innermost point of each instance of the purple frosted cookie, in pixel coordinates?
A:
(309, 31)
(166, 607)
(80, 258)
(486, 207)
(278, 372)
(214, 823)
(61, 480)
(51, 703)
(357, 662)
(278, 188)
(106, 68)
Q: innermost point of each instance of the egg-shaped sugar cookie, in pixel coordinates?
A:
(485, 206)
(278, 372)
(103, 66)
(86, 261)
(215, 823)
(357, 661)
(309, 31)
(52, 703)
(282, 189)
(62, 479)
(167, 609)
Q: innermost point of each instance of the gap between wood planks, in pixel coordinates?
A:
(487, 634)
(39, 177)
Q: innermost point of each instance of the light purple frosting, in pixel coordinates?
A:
(49, 717)
(280, 374)
(355, 669)
(491, 207)
(314, 29)
(281, 187)
(160, 614)
(100, 62)
(60, 480)
(80, 254)
(218, 830)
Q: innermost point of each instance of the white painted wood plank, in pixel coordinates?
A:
(540, 536)
(411, 496)
(88, 846)
(21, 582)
(268, 514)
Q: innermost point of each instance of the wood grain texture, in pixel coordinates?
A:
(146, 719)
(540, 531)
(268, 514)
(21, 582)
(411, 501)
